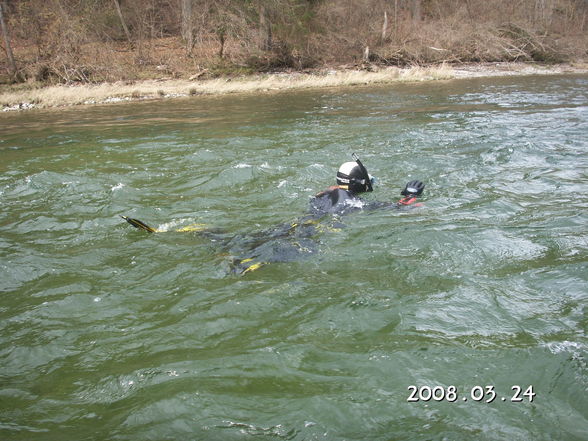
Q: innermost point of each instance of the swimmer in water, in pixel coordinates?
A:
(292, 241)
(289, 242)
(352, 180)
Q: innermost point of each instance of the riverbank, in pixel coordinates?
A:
(19, 98)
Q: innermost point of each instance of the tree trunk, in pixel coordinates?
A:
(9, 53)
(222, 37)
(366, 54)
(415, 10)
(265, 29)
(395, 17)
(122, 21)
(385, 26)
(187, 27)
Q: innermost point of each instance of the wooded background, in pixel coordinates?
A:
(108, 40)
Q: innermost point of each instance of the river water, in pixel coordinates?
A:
(112, 333)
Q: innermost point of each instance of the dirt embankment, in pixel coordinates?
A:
(166, 88)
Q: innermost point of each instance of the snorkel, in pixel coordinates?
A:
(366, 176)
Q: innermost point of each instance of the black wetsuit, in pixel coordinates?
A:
(293, 241)
(337, 200)
(334, 200)
(290, 241)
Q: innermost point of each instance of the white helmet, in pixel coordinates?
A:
(355, 177)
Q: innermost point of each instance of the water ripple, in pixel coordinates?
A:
(108, 332)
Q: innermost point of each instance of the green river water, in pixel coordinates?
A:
(111, 333)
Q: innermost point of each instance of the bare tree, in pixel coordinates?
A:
(122, 20)
(9, 53)
(396, 16)
(415, 10)
(265, 28)
(187, 26)
(221, 32)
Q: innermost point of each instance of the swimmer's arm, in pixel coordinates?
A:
(377, 205)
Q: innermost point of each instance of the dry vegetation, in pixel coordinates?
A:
(122, 49)
(75, 94)
(67, 41)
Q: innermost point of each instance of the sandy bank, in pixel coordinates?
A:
(87, 94)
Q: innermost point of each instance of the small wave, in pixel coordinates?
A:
(169, 226)
(355, 203)
(566, 346)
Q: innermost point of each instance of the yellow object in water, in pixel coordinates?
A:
(138, 224)
(191, 228)
(143, 226)
(253, 267)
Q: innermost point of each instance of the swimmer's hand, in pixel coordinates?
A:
(410, 192)
(413, 188)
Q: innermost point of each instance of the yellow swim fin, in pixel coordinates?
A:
(143, 226)
(253, 267)
(246, 266)
(138, 224)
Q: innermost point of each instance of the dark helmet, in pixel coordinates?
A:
(356, 178)
(413, 188)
